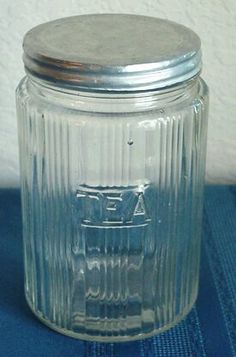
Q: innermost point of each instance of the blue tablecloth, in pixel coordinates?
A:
(209, 329)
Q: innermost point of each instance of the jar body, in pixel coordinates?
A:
(112, 203)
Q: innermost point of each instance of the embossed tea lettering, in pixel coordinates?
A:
(112, 207)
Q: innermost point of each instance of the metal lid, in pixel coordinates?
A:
(112, 52)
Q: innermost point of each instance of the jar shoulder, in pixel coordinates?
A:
(112, 106)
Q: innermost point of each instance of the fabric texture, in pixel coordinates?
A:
(209, 329)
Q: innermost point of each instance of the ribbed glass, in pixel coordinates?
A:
(112, 200)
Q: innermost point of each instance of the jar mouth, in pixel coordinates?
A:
(115, 102)
(112, 53)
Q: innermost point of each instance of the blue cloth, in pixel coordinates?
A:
(209, 329)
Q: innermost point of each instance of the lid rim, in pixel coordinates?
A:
(147, 75)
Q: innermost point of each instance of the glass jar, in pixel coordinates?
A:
(112, 123)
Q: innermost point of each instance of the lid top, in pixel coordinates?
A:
(112, 52)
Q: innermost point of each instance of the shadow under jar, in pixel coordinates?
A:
(112, 121)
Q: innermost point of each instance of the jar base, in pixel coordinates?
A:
(112, 339)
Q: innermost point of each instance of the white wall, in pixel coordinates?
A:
(213, 20)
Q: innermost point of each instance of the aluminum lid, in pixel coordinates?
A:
(112, 52)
